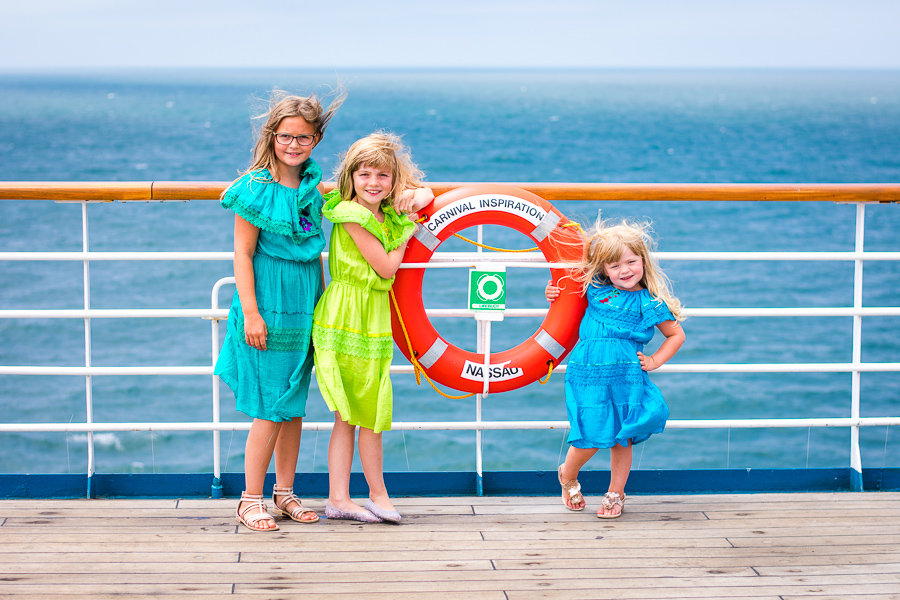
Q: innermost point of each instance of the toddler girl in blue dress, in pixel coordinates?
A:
(610, 401)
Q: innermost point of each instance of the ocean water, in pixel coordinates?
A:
(571, 126)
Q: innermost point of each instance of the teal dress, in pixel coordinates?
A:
(609, 398)
(273, 384)
(352, 325)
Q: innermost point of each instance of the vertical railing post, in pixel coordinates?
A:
(89, 397)
(217, 435)
(479, 458)
(856, 482)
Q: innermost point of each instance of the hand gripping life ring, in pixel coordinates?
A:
(485, 204)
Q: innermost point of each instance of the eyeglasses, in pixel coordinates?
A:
(285, 139)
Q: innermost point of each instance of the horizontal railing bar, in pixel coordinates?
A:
(741, 368)
(780, 256)
(94, 370)
(162, 191)
(453, 425)
(115, 313)
(407, 369)
(460, 259)
(222, 313)
(114, 256)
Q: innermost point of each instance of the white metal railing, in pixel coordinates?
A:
(456, 260)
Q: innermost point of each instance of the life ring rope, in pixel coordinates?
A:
(417, 368)
(486, 247)
(549, 373)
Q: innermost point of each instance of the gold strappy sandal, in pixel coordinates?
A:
(570, 489)
(299, 510)
(611, 499)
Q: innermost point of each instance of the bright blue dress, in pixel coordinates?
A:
(273, 384)
(609, 399)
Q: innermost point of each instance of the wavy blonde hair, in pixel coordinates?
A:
(604, 244)
(380, 150)
(281, 106)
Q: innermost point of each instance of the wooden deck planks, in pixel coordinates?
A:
(761, 546)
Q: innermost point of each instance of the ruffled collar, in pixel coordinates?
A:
(295, 213)
(396, 229)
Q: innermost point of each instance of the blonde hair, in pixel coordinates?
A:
(380, 150)
(282, 106)
(604, 244)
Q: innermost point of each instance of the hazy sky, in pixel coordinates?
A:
(52, 34)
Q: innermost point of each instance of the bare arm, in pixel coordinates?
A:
(245, 237)
(674, 339)
(384, 263)
(414, 199)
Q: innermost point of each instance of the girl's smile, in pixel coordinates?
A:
(372, 185)
(626, 273)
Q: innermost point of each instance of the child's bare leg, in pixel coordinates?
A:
(371, 454)
(340, 461)
(619, 467)
(575, 459)
(258, 451)
(287, 449)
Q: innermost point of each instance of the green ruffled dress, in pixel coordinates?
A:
(273, 384)
(352, 322)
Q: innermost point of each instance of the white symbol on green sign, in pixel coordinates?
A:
(487, 289)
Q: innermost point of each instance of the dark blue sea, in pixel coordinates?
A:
(510, 126)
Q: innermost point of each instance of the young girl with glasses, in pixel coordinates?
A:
(610, 401)
(267, 357)
(352, 323)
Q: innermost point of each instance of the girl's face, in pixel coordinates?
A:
(372, 185)
(627, 272)
(293, 154)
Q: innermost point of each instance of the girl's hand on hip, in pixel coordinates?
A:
(255, 331)
(648, 363)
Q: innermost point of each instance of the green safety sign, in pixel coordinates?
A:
(487, 288)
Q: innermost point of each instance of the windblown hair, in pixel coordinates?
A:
(604, 244)
(380, 150)
(281, 106)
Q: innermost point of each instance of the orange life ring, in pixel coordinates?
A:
(527, 213)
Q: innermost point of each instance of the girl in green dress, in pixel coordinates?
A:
(266, 358)
(377, 183)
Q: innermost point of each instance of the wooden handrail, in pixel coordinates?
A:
(162, 191)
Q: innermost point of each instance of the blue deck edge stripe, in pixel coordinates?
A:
(411, 484)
